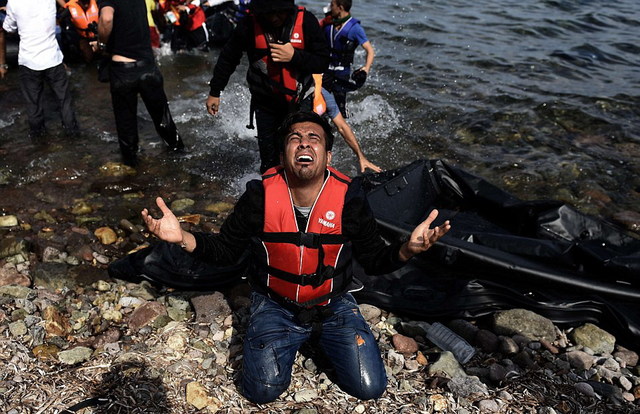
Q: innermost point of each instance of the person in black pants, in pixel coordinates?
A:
(124, 31)
(285, 46)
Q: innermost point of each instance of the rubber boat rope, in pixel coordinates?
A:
(89, 402)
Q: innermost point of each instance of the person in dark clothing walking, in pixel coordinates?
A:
(124, 31)
(285, 46)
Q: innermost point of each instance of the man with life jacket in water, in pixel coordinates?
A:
(344, 34)
(186, 23)
(303, 222)
(83, 15)
(285, 46)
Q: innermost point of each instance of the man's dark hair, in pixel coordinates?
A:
(269, 6)
(304, 116)
(346, 4)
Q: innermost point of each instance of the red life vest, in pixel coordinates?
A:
(282, 76)
(81, 19)
(305, 266)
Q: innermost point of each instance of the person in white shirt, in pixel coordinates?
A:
(40, 61)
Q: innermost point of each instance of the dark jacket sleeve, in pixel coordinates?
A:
(237, 230)
(230, 57)
(360, 227)
(315, 57)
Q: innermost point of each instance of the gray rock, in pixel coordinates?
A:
(305, 395)
(487, 340)
(630, 358)
(179, 303)
(465, 386)
(580, 360)
(546, 410)
(20, 292)
(465, 329)
(144, 291)
(508, 346)
(585, 388)
(18, 328)
(75, 355)
(497, 373)
(589, 335)
(369, 312)
(396, 361)
(27, 305)
(523, 322)
(488, 406)
(625, 383)
(446, 364)
(210, 307)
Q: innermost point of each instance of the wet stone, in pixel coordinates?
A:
(525, 323)
(404, 344)
(487, 340)
(508, 346)
(599, 340)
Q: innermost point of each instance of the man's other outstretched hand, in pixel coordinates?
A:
(167, 227)
(422, 237)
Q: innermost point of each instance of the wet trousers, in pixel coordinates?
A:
(274, 336)
(32, 84)
(127, 81)
(268, 122)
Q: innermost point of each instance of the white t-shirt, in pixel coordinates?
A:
(35, 22)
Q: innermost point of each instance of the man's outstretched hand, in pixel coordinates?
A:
(167, 227)
(422, 237)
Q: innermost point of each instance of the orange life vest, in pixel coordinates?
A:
(282, 77)
(81, 19)
(308, 266)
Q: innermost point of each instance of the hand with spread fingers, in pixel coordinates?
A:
(423, 237)
(167, 227)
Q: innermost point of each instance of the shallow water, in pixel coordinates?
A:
(541, 98)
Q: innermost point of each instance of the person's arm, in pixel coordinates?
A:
(105, 24)
(62, 3)
(227, 63)
(370, 55)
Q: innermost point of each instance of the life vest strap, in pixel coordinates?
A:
(309, 279)
(310, 240)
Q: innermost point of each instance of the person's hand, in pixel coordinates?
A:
(365, 163)
(213, 104)
(94, 45)
(167, 227)
(422, 237)
(281, 53)
(3, 72)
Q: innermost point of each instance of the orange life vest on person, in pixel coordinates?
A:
(282, 76)
(81, 19)
(306, 267)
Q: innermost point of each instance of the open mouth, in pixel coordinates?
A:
(304, 158)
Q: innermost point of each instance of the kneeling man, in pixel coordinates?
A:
(304, 221)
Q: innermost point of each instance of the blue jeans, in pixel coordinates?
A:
(274, 336)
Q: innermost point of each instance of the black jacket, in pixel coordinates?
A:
(314, 58)
(246, 221)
